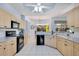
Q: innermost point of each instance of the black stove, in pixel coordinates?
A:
(20, 41)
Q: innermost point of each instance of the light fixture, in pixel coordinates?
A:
(38, 8)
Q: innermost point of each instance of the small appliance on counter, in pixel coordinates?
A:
(71, 29)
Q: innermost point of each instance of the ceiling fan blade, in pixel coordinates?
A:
(30, 5)
(44, 7)
(40, 10)
(35, 9)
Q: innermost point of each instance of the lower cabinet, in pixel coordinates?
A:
(76, 49)
(65, 46)
(51, 42)
(8, 48)
(1, 49)
(68, 48)
(60, 44)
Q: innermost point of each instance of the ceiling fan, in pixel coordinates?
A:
(38, 7)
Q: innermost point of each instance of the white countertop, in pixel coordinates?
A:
(73, 37)
(2, 39)
(43, 33)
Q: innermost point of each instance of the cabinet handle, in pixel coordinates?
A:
(65, 44)
(4, 48)
(12, 44)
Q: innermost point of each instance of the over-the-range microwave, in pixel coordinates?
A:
(10, 33)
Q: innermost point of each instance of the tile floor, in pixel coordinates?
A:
(34, 50)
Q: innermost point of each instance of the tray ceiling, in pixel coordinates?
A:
(27, 8)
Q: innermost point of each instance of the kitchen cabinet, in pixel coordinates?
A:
(50, 41)
(76, 17)
(5, 18)
(60, 44)
(2, 18)
(1, 49)
(25, 39)
(7, 21)
(65, 46)
(76, 49)
(68, 48)
(22, 24)
(53, 41)
(47, 40)
(8, 48)
(71, 18)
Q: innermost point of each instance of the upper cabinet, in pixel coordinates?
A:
(5, 18)
(22, 24)
(70, 18)
(73, 17)
(2, 18)
(76, 16)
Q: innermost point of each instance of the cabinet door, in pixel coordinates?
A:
(76, 49)
(21, 23)
(10, 48)
(1, 49)
(53, 41)
(5, 19)
(1, 18)
(26, 39)
(13, 47)
(71, 18)
(47, 41)
(50, 41)
(68, 48)
(7, 49)
(7, 22)
(76, 16)
(76, 52)
(60, 44)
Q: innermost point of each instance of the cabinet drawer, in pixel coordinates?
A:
(76, 46)
(69, 42)
(1, 44)
(76, 52)
(11, 41)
